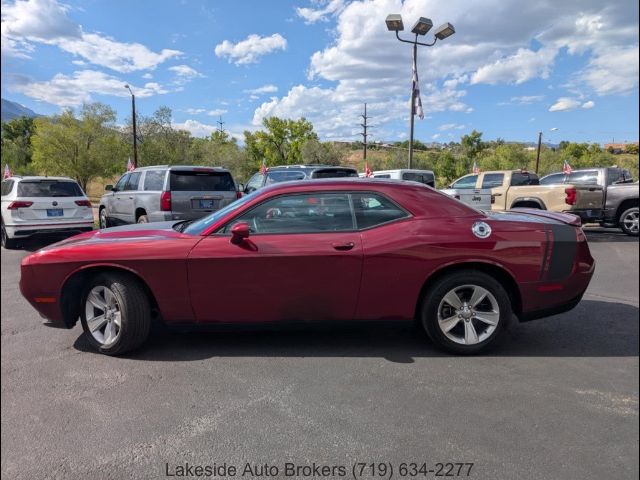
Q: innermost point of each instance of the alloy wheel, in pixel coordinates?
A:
(103, 315)
(103, 218)
(630, 221)
(468, 314)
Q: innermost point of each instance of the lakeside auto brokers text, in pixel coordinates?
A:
(356, 471)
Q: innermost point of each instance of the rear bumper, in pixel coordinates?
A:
(23, 231)
(587, 215)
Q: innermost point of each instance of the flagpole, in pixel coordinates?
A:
(413, 104)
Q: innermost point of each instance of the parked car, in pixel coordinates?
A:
(620, 199)
(337, 249)
(522, 189)
(160, 193)
(43, 205)
(289, 173)
(427, 177)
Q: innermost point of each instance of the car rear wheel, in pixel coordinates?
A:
(115, 313)
(466, 312)
(104, 220)
(8, 243)
(629, 221)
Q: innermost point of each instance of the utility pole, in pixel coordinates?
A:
(538, 154)
(364, 133)
(220, 124)
(133, 121)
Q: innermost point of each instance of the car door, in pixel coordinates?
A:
(495, 183)
(127, 198)
(302, 261)
(115, 209)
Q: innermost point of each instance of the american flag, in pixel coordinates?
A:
(476, 169)
(415, 92)
(263, 167)
(367, 170)
(7, 172)
(130, 165)
(566, 168)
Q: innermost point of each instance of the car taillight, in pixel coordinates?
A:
(83, 203)
(165, 201)
(19, 204)
(238, 194)
(571, 197)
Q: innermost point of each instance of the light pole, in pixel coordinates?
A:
(421, 27)
(135, 134)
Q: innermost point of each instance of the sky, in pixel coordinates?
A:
(568, 69)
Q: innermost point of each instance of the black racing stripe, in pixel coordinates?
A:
(564, 251)
(546, 251)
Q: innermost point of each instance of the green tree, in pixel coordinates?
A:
(472, 145)
(159, 142)
(280, 143)
(82, 148)
(324, 153)
(16, 144)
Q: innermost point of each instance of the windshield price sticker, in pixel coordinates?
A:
(357, 470)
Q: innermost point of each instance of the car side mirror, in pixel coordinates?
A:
(109, 188)
(239, 232)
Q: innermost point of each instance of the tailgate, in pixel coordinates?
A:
(588, 197)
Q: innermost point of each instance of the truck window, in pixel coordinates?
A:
(551, 179)
(524, 178)
(589, 177)
(614, 175)
(466, 182)
(424, 178)
(492, 180)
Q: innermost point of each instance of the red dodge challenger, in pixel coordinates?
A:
(340, 249)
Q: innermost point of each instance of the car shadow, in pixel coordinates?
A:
(602, 235)
(592, 329)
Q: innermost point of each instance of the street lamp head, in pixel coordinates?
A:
(394, 23)
(422, 26)
(444, 31)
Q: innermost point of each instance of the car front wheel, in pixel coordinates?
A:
(115, 313)
(466, 312)
(629, 221)
(104, 220)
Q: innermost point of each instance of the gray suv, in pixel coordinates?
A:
(289, 173)
(160, 193)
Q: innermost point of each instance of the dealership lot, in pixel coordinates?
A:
(558, 400)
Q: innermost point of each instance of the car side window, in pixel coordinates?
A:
(284, 176)
(372, 209)
(132, 183)
(492, 180)
(154, 180)
(303, 213)
(7, 186)
(466, 182)
(122, 182)
(424, 178)
(254, 183)
(518, 179)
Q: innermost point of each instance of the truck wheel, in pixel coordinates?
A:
(115, 313)
(629, 221)
(466, 312)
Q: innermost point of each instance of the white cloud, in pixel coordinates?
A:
(311, 15)
(195, 111)
(523, 100)
(263, 89)
(450, 126)
(72, 90)
(565, 104)
(589, 104)
(251, 49)
(517, 68)
(614, 71)
(216, 112)
(26, 22)
(185, 71)
(147, 76)
(197, 129)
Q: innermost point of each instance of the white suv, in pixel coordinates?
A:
(43, 205)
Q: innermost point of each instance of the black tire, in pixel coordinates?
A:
(103, 219)
(8, 243)
(135, 312)
(625, 218)
(143, 219)
(435, 295)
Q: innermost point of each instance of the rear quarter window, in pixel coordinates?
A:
(154, 180)
(493, 180)
(193, 181)
(424, 178)
(519, 179)
(49, 188)
(7, 186)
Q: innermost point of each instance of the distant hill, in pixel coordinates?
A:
(11, 110)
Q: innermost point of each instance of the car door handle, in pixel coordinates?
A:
(592, 189)
(343, 246)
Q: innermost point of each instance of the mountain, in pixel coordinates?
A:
(11, 110)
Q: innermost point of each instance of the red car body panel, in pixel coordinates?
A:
(269, 277)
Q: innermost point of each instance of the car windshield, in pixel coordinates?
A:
(198, 226)
(49, 188)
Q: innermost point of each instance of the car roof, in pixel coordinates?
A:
(344, 183)
(39, 177)
(181, 167)
(308, 167)
(411, 170)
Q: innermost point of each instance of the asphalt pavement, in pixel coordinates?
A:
(558, 400)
